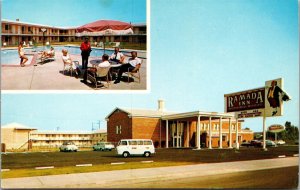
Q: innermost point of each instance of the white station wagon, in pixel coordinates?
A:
(68, 147)
(127, 147)
(103, 146)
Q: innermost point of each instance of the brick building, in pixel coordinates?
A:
(188, 129)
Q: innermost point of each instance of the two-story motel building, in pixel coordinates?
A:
(16, 31)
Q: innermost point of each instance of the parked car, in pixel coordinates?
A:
(280, 142)
(127, 147)
(256, 143)
(270, 143)
(103, 146)
(68, 147)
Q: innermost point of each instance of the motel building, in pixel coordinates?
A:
(18, 137)
(176, 130)
(15, 31)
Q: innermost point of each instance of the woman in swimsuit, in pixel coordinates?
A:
(22, 56)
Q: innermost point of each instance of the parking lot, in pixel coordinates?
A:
(63, 159)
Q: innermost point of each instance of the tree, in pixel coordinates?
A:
(291, 132)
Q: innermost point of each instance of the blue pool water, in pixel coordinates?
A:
(11, 57)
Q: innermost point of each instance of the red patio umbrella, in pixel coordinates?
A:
(104, 27)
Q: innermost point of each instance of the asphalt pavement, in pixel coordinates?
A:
(132, 176)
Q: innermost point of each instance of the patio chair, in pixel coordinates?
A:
(100, 44)
(70, 69)
(135, 73)
(96, 76)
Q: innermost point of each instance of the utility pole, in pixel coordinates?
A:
(99, 123)
(93, 126)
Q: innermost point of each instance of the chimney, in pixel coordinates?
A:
(17, 20)
(161, 105)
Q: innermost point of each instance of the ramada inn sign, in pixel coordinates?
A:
(256, 102)
(253, 99)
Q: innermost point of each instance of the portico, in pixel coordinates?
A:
(201, 129)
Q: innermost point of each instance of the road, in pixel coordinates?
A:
(129, 178)
(251, 179)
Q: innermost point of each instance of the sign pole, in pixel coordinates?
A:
(264, 131)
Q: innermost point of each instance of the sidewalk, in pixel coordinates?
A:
(49, 76)
(127, 177)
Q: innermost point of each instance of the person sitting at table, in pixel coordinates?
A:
(117, 56)
(69, 64)
(104, 63)
(132, 64)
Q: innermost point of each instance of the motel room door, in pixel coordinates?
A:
(175, 141)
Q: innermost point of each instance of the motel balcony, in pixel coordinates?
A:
(60, 138)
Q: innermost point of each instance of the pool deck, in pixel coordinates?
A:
(49, 76)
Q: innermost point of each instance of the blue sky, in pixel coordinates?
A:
(200, 50)
(74, 12)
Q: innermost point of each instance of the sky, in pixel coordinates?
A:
(200, 50)
(72, 13)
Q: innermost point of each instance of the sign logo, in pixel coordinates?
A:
(276, 128)
(245, 100)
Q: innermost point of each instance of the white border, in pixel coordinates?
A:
(91, 91)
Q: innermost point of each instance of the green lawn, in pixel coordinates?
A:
(23, 164)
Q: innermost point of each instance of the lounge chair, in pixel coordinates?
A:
(117, 44)
(135, 73)
(101, 72)
(47, 58)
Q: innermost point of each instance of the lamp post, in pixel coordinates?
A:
(43, 30)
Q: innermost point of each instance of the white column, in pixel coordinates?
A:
(220, 133)
(188, 133)
(177, 135)
(209, 143)
(237, 133)
(230, 134)
(264, 132)
(198, 144)
(167, 134)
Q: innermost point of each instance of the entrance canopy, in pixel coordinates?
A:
(104, 27)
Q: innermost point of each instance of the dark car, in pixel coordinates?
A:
(256, 143)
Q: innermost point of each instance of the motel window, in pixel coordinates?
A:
(23, 28)
(224, 138)
(232, 127)
(6, 27)
(118, 129)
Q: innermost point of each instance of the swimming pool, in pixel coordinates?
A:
(11, 57)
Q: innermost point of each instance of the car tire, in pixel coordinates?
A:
(125, 154)
(147, 154)
(75, 150)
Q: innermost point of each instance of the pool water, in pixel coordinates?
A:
(11, 57)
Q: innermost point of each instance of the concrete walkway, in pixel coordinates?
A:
(133, 176)
(49, 76)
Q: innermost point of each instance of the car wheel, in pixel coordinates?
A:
(147, 154)
(125, 154)
(75, 150)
